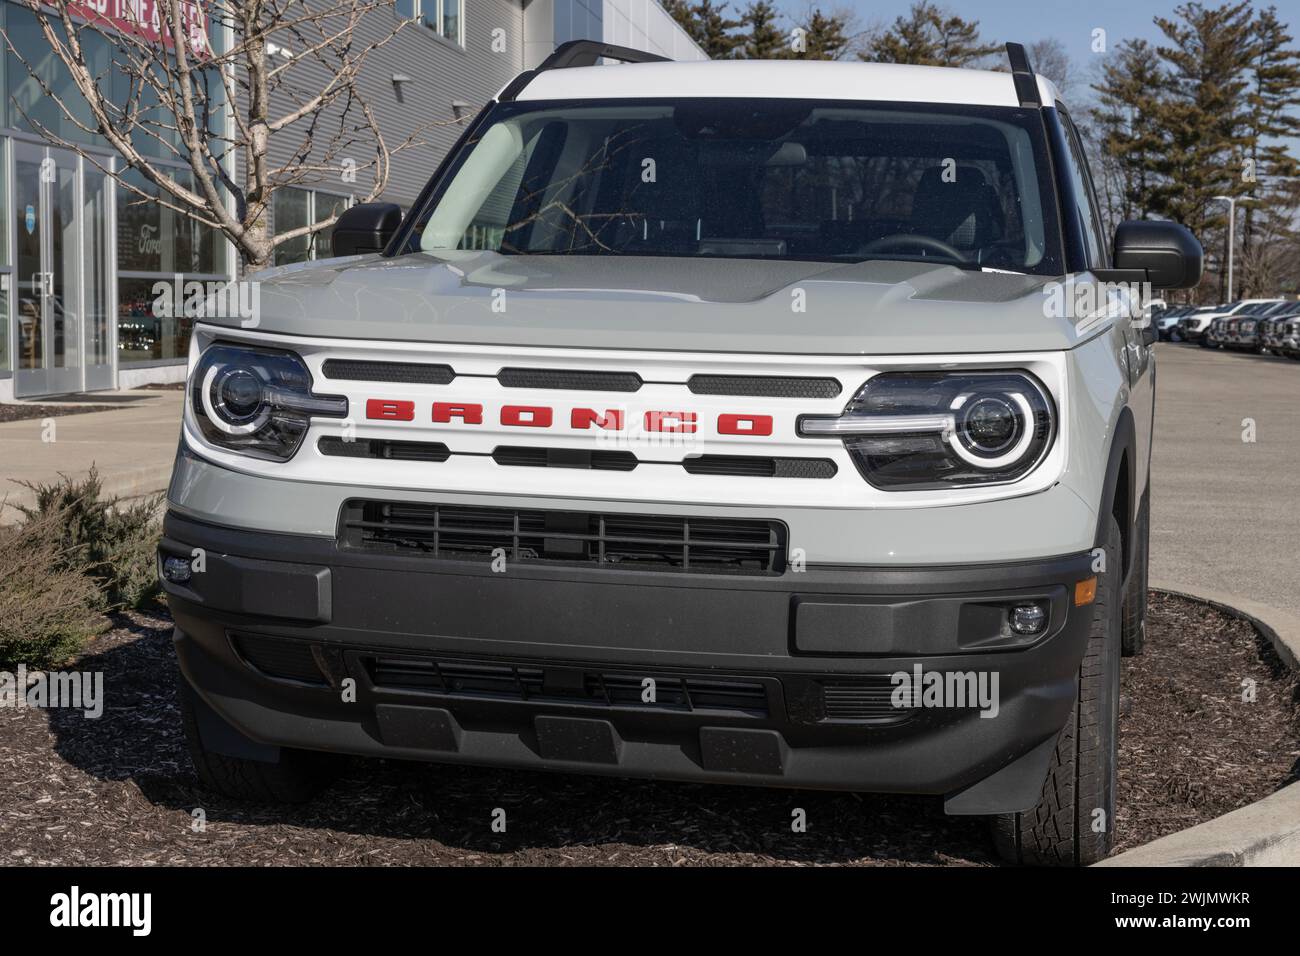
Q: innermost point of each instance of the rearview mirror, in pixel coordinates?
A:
(366, 228)
(1166, 251)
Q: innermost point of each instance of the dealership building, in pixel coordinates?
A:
(80, 255)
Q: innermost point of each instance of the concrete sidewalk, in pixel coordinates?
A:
(132, 443)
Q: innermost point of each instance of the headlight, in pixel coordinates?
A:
(256, 401)
(919, 430)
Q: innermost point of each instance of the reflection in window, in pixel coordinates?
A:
(443, 17)
(292, 211)
(295, 208)
(143, 336)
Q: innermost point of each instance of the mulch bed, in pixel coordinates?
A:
(18, 413)
(120, 790)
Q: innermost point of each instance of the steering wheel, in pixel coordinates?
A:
(902, 240)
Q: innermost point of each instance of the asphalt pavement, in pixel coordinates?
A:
(1225, 509)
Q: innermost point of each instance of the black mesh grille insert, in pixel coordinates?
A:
(625, 542)
(289, 660)
(755, 466)
(418, 373)
(569, 379)
(529, 682)
(863, 698)
(383, 448)
(565, 458)
(765, 386)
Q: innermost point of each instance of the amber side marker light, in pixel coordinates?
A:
(1085, 592)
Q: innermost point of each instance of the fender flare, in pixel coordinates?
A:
(1124, 440)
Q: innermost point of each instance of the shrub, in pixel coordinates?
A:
(114, 544)
(49, 606)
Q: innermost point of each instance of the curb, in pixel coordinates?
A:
(1265, 833)
(1280, 627)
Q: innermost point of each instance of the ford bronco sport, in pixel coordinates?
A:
(700, 421)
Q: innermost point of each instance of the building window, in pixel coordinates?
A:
(443, 17)
(156, 244)
(295, 208)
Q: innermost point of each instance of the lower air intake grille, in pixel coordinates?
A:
(867, 698)
(565, 685)
(625, 542)
(287, 660)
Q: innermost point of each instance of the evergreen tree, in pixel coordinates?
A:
(763, 39)
(825, 36)
(1203, 112)
(708, 25)
(1271, 171)
(930, 36)
(1130, 144)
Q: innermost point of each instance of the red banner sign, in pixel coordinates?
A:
(143, 18)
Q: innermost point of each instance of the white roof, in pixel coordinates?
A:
(783, 79)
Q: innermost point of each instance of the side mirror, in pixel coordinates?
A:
(1166, 251)
(366, 228)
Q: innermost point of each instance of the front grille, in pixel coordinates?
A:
(765, 386)
(528, 682)
(756, 466)
(598, 460)
(625, 542)
(863, 698)
(415, 373)
(287, 660)
(383, 448)
(569, 379)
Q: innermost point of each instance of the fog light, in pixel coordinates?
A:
(1028, 618)
(176, 570)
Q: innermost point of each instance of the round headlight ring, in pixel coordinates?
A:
(962, 446)
(223, 407)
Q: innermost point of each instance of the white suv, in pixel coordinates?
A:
(727, 421)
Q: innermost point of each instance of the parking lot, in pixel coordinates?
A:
(1223, 507)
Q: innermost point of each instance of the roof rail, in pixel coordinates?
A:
(1022, 75)
(591, 52)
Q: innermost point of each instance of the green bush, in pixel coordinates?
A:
(113, 543)
(49, 606)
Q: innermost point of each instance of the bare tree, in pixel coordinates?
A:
(1050, 59)
(210, 102)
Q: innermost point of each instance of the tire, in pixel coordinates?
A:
(1175, 337)
(1135, 596)
(1082, 777)
(295, 778)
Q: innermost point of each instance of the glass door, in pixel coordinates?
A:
(47, 265)
(96, 227)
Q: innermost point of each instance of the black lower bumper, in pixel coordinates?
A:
(775, 680)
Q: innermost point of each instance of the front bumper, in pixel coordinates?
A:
(780, 680)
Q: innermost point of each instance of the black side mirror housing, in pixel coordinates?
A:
(366, 228)
(1167, 252)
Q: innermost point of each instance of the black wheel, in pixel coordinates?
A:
(1135, 595)
(295, 778)
(1073, 823)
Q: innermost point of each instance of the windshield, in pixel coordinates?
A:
(778, 179)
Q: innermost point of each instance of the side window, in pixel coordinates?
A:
(1086, 200)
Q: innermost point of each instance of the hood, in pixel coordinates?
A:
(674, 304)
